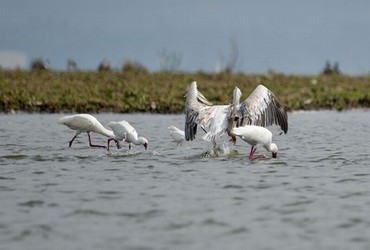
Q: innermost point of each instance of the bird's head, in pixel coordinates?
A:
(145, 143)
(274, 150)
(117, 143)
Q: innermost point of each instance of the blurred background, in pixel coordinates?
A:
(287, 36)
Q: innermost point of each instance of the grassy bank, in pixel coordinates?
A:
(45, 91)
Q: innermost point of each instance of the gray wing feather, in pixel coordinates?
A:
(262, 108)
(191, 125)
(195, 101)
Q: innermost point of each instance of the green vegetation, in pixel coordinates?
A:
(163, 92)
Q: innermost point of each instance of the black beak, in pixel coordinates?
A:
(117, 144)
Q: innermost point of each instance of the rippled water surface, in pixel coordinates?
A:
(315, 195)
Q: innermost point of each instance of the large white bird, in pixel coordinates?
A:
(177, 134)
(256, 135)
(261, 108)
(85, 123)
(123, 131)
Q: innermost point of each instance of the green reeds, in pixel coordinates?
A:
(163, 92)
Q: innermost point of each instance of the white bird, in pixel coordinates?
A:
(123, 131)
(256, 135)
(85, 123)
(177, 134)
(261, 108)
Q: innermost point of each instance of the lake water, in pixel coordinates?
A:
(315, 195)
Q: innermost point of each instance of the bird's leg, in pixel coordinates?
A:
(108, 142)
(254, 150)
(117, 144)
(71, 141)
(129, 146)
(251, 153)
(92, 145)
(263, 156)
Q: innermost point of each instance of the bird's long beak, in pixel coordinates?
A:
(118, 144)
(274, 155)
(146, 146)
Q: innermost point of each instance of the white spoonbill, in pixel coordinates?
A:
(177, 134)
(256, 135)
(261, 108)
(123, 131)
(85, 123)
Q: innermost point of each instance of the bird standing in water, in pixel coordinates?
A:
(123, 131)
(177, 134)
(256, 135)
(86, 123)
(261, 108)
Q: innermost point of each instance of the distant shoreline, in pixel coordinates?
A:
(291, 112)
(163, 92)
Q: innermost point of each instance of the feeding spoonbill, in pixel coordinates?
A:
(124, 131)
(85, 123)
(256, 135)
(261, 108)
(177, 134)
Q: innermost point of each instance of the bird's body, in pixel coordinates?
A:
(123, 131)
(256, 135)
(85, 123)
(177, 134)
(261, 108)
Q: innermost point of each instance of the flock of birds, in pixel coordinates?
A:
(247, 120)
(121, 131)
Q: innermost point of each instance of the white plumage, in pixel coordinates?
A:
(256, 135)
(85, 123)
(261, 108)
(123, 131)
(177, 134)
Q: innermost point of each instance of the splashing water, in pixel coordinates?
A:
(217, 150)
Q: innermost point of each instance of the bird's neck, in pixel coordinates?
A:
(138, 141)
(268, 147)
(107, 133)
(271, 147)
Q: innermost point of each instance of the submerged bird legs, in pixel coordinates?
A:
(90, 144)
(116, 141)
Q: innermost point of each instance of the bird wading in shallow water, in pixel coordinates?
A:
(86, 123)
(256, 135)
(177, 134)
(123, 131)
(261, 108)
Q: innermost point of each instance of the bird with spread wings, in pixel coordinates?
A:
(261, 108)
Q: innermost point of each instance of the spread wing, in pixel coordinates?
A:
(261, 108)
(199, 111)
